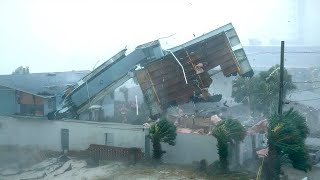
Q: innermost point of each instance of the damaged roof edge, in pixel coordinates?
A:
(149, 44)
(234, 42)
(117, 56)
(203, 37)
(17, 89)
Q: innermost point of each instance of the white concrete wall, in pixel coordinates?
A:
(108, 106)
(191, 147)
(246, 149)
(8, 102)
(46, 134)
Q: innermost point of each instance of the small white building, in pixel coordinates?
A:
(69, 134)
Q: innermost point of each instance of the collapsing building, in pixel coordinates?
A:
(182, 74)
(166, 77)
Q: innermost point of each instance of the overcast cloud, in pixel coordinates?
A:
(60, 35)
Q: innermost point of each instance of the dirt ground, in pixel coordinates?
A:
(62, 168)
(31, 163)
(171, 172)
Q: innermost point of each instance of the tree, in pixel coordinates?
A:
(226, 132)
(261, 92)
(21, 70)
(287, 138)
(162, 131)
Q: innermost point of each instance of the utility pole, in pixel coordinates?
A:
(281, 81)
(273, 163)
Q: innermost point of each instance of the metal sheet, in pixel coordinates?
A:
(109, 76)
(106, 78)
(120, 55)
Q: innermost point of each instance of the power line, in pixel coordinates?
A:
(307, 89)
(286, 52)
(303, 52)
(306, 82)
(306, 100)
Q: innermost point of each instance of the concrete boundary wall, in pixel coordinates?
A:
(46, 134)
(190, 148)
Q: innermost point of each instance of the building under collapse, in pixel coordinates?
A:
(166, 77)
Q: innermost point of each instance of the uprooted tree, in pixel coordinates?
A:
(226, 132)
(162, 131)
(286, 138)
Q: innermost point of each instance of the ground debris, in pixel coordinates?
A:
(35, 178)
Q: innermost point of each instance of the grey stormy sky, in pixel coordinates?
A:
(63, 35)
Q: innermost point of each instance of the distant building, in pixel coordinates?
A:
(34, 94)
(15, 101)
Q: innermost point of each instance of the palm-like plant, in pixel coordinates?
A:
(287, 137)
(227, 131)
(162, 131)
